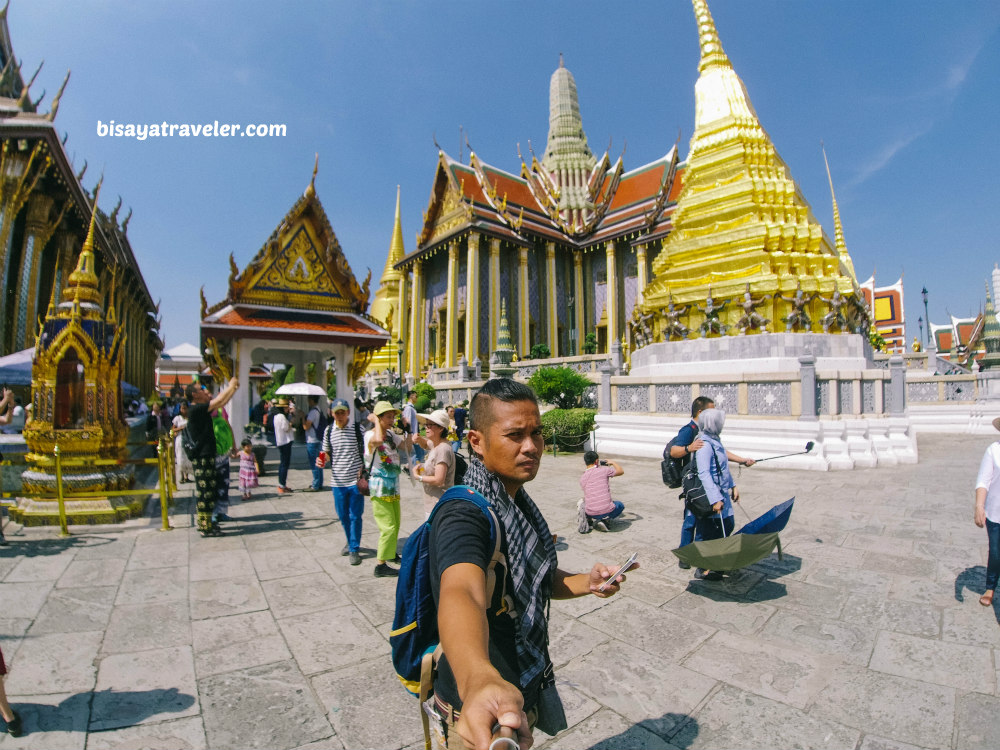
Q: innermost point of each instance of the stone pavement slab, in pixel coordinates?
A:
(144, 687)
(894, 707)
(867, 635)
(266, 707)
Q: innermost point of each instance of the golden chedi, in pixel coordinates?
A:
(77, 405)
(741, 225)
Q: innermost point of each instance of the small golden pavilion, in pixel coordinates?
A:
(77, 404)
(298, 303)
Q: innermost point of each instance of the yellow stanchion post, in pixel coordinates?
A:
(171, 469)
(63, 527)
(164, 510)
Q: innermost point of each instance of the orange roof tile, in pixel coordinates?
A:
(638, 186)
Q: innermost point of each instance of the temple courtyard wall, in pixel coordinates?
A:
(780, 391)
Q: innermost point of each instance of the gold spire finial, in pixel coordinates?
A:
(311, 190)
(23, 98)
(83, 281)
(712, 54)
(55, 102)
(88, 244)
(838, 229)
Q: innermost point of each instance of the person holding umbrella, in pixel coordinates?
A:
(713, 470)
(987, 513)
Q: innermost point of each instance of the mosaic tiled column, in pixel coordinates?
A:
(551, 287)
(471, 301)
(451, 311)
(579, 298)
(523, 316)
(494, 292)
(612, 294)
(416, 322)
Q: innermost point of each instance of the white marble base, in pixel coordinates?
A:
(839, 443)
(753, 353)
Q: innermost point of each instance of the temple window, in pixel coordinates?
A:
(69, 402)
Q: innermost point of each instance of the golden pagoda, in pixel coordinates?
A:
(386, 305)
(741, 223)
(77, 405)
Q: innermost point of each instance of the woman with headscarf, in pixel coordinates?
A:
(713, 469)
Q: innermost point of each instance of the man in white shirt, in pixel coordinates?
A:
(412, 426)
(313, 437)
(283, 434)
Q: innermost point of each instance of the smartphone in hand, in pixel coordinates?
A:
(628, 564)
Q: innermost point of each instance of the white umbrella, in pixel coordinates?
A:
(300, 389)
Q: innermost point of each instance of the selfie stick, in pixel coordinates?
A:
(809, 447)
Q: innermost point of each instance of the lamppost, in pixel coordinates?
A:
(923, 293)
(920, 325)
(402, 386)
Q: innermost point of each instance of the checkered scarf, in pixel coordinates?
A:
(531, 560)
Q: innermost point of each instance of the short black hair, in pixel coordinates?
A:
(245, 442)
(590, 457)
(501, 389)
(700, 404)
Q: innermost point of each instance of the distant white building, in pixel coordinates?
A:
(176, 368)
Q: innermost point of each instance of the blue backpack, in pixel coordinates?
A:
(414, 637)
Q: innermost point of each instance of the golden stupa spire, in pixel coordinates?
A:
(396, 248)
(838, 229)
(712, 54)
(83, 282)
(739, 217)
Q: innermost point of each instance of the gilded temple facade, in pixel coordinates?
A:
(44, 216)
(721, 244)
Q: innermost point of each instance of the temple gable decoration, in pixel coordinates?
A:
(301, 265)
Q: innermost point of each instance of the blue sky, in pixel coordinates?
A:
(903, 94)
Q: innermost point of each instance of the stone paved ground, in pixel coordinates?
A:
(868, 635)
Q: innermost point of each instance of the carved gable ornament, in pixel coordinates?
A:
(448, 210)
(301, 266)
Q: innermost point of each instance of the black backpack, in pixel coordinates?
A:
(695, 498)
(672, 469)
(323, 423)
(461, 465)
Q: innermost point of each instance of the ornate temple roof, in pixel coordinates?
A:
(568, 197)
(298, 286)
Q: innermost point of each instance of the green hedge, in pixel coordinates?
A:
(571, 427)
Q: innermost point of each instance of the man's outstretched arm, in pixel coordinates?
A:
(487, 699)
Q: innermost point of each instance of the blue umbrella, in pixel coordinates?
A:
(774, 520)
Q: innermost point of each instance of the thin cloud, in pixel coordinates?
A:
(882, 159)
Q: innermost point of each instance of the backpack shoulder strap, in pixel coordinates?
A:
(463, 492)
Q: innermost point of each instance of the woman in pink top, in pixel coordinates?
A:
(597, 507)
